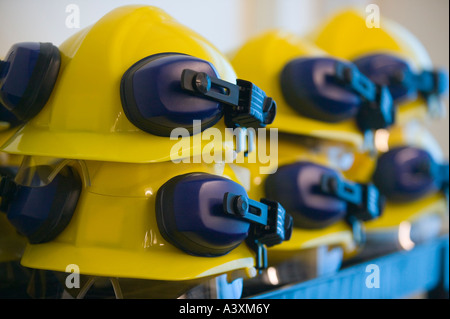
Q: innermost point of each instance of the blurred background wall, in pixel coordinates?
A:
(228, 23)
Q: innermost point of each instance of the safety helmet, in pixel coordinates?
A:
(317, 130)
(309, 183)
(412, 174)
(389, 55)
(131, 220)
(328, 210)
(89, 98)
(99, 168)
(317, 94)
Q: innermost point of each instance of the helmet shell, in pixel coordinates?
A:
(346, 35)
(84, 117)
(262, 60)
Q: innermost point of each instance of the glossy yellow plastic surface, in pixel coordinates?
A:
(262, 59)
(291, 149)
(346, 35)
(363, 167)
(83, 118)
(114, 233)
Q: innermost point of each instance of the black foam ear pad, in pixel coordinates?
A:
(27, 77)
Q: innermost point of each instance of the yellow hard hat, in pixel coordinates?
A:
(93, 101)
(412, 173)
(305, 82)
(294, 180)
(389, 55)
(116, 212)
(328, 227)
(159, 221)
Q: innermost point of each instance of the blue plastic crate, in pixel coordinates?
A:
(401, 274)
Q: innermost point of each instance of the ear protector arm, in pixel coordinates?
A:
(270, 223)
(247, 105)
(378, 111)
(364, 201)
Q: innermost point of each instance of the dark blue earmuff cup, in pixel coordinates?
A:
(42, 213)
(309, 87)
(154, 101)
(403, 174)
(27, 78)
(297, 187)
(388, 70)
(190, 214)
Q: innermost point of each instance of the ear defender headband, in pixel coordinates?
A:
(331, 90)
(159, 93)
